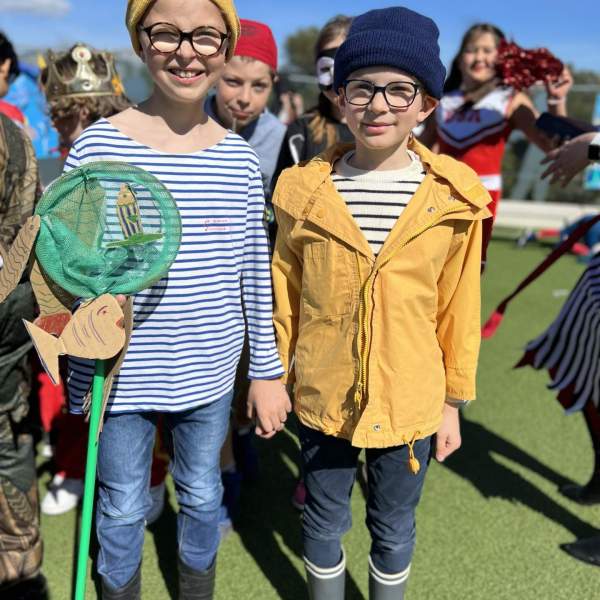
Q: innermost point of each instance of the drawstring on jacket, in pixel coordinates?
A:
(414, 466)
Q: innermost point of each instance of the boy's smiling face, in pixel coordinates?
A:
(243, 91)
(377, 125)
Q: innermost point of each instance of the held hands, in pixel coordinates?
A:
(448, 435)
(268, 404)
(568, 160)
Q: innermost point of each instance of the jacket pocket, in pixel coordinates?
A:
(326, 279)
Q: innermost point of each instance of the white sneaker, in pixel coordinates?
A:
(63, 495)
(157, 494)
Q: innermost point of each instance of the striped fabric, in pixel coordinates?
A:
(189, 327)
(377, 198)
(570, 347)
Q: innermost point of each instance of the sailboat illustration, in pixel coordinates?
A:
(130, 220)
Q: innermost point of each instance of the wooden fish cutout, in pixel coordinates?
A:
(17, 257)
(130, 220)
(96, 331)
(55, 309)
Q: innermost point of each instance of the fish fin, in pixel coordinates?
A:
(48, 348)
(17, 257)
(51, 299)
(53, 324)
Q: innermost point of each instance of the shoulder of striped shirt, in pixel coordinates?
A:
(337, 176)
(103, 127)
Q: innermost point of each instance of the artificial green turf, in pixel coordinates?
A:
(491, 519)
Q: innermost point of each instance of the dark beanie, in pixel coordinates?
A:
(393, 37)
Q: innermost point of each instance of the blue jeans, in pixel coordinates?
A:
(393, 494)
(124, 459)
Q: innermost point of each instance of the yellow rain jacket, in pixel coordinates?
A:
(376, 344)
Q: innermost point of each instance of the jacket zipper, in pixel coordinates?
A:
(364, 334)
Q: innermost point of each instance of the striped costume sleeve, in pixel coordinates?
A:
(72, 161)
(256, 288)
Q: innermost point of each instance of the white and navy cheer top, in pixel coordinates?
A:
(188, 328)
(476, 134)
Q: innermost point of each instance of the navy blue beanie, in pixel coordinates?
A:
(393, 37)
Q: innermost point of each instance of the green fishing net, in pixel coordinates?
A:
(107, 227)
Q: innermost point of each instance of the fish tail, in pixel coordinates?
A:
(48, 348)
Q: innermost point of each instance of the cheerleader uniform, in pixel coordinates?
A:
(476, 134)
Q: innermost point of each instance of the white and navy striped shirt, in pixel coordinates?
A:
(189, 327)
(377, 198)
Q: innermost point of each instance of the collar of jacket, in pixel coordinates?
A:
(312, 196)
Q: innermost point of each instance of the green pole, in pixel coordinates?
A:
(90, 481)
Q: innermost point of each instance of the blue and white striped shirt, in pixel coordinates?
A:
(189, 327)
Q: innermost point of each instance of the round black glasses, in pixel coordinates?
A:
(397, 94)
(166, 38)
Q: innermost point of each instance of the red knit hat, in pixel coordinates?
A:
(257, 41)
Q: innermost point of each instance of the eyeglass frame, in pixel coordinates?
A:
(185, 35)
(382, 88)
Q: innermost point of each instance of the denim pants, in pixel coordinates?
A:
(124, 460)
(393, 494)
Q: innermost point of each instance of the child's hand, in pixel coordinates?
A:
(448, 435)
(269, 404)
(557, 90)
(568, 160)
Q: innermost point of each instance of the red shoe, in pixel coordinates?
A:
(299, 495)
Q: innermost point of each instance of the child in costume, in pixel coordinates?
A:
(242, 94)
(20, 540)
(323, 125)
(188, 329)
(81, 86)
(376, 281)
(569, 348)
(477, 113)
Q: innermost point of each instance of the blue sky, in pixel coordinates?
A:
(570, 30)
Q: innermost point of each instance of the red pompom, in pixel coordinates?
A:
(520, 68)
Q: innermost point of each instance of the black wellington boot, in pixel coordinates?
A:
(586, 550)
(590, 492)
(196, 585)
(131, 591)
(386, 587)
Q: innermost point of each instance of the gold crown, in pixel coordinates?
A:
(85, 82)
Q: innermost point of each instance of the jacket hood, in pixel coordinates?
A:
(303, 179)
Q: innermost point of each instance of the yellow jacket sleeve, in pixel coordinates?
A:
(287, 281)
(459, 311)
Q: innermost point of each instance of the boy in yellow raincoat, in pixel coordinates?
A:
(376, 280)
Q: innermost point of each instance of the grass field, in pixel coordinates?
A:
(491, 519)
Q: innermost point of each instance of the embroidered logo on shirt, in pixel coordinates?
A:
(216, 224)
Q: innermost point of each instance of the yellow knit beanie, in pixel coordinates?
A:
(137, 8)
